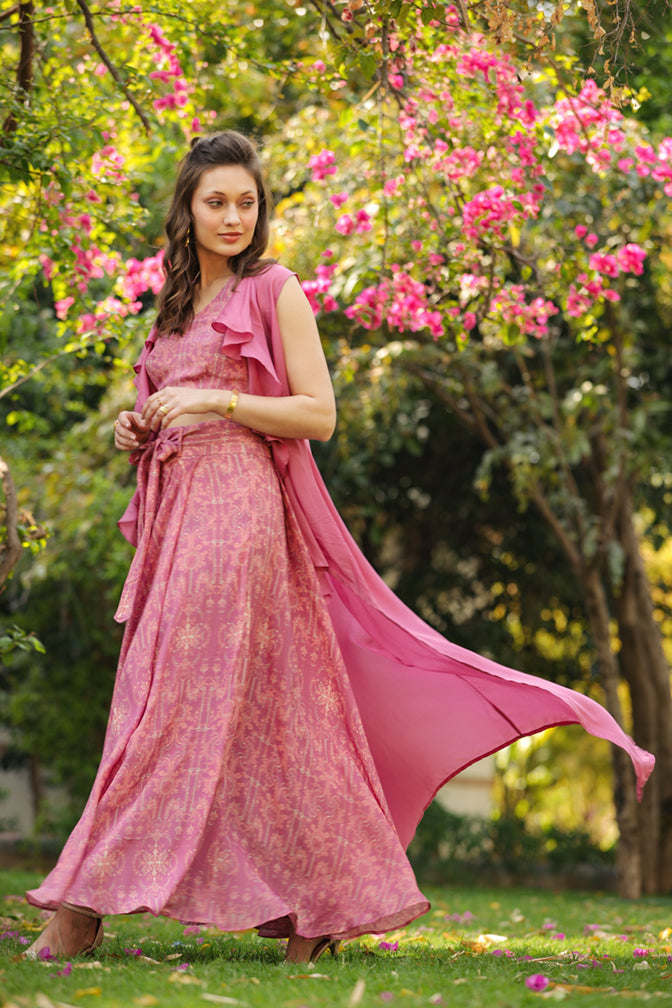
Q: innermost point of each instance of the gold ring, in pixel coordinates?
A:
(163, 408)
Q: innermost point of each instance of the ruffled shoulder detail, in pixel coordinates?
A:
(246, 321)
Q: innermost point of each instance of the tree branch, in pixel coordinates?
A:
(83, 6)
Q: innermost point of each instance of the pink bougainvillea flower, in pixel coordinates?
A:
(604, 263)
(45, 954)
(62, 306)
(641, 953)
(47, 265)
(537, 982)
(392, 185)
(631, 258)
(388, 946)
(133, 951)
(559, 936)
(338, 199)
(363, 220)
(345, 224)
(322, 165)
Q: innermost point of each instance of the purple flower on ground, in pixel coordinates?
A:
(184, 966)
(559, 936)
(45, 954)
(9, 934)
(641, 953)
(388, 946)
(133, 952)
(537, 982)
(501, 952)
(386, 996)
(66, 971)
(24, 941)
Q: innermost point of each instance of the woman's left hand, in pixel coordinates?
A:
(164, 407)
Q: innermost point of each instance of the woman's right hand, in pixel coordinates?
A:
(130, 431)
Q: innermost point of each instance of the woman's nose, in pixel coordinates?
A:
(231, 215)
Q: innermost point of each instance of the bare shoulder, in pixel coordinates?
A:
(293, 307)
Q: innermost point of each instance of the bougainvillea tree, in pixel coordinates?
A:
(483, 227)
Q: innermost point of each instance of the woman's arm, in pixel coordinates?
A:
(310, 410)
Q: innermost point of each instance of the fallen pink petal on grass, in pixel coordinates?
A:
(537, 982)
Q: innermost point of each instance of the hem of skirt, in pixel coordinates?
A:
(280, 927)
(285, 926)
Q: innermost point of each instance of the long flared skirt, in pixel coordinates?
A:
(236, 786)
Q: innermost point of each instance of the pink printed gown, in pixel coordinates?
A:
(280, 720)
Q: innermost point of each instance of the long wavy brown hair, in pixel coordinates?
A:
(180, 262)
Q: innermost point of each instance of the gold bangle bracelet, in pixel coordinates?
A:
(232, 405)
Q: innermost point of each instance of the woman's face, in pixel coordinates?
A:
(224, 208)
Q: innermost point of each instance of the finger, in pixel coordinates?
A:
(137, 426)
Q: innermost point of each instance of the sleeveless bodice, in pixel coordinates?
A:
(197, 358)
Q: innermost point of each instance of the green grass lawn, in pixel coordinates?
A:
(476, 947)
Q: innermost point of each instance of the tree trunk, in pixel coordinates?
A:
(10, 549)
(629, 865)
(645, 668)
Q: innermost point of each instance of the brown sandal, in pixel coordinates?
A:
(59, 950)
(302, 950)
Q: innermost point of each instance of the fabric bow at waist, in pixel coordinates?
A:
(148, 457)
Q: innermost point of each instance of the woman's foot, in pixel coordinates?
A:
(309, 950)
(71, 931)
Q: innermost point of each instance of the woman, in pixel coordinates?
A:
(280, 719)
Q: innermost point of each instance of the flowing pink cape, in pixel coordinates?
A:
(429, 707)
